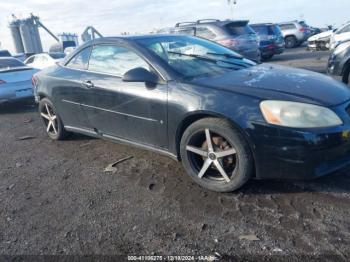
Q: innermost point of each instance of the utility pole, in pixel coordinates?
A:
(232, 3)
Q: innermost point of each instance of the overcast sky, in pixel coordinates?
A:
(113, 17)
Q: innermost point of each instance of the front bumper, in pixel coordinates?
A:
(265, 51)
(318, 45)
(287, 153)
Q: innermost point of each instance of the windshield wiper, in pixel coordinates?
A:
(225, 55)
(210, 59)
(194, 55)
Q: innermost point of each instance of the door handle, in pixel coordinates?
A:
(88, 84)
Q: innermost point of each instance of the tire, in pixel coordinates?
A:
(266, 57)
(52, 121)
(290, 41)
(201, 163)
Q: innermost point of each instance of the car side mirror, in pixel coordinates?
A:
(140, 74)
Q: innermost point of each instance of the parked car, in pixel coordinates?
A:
(339, 63)
(271, 40)
(236, 35)
(225, 117)
(341, 35)
(320, 42)
(15, 80)
(44, 60)
(315, 31)
(295, 33)
(5, 53)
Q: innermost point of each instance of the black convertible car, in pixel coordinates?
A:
(226, 118)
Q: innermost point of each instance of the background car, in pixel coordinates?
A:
(339, 63)
(271, 40)
(295, 33)
(236, 35)
(340, 35)
(15, 80)
(44, 60)
(5, 53)
(320, 41)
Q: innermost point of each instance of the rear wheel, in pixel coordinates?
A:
(51, 120)
(290, 41)
(215, 155)
(266, 57)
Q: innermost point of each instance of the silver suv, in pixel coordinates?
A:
(236, 35)
(295, 33)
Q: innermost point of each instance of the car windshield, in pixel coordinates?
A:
(276, 30)
(261, 29)
(239, 28)
(267, 29)
(192, 57)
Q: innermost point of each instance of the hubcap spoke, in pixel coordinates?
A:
(45, 116)
(49, 126)
(228, 152)
(207, 135)
(197, 151)
(221, 170)
(205, 167)
(48, 110)
(54, 128)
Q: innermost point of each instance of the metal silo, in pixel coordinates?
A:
(30, 36)
(16, 36)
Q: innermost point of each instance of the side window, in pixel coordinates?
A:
(346, 29)
(185, 31)
(205, 33)
(287, 26)
(30, 60)
(80, 60)
(114, 60)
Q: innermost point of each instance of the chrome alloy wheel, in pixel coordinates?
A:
(50, 119)
(213, 156)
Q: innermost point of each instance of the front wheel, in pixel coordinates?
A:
(290, 42)
(52, 121)
(266, 57)
(216, 155)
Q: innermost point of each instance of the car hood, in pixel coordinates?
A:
(267, 81)
(321, 35)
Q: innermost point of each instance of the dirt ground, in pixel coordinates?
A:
(56, 199)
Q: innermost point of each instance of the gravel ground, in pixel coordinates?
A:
(56, 199)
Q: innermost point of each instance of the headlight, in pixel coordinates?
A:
(299, 115)
(340, 48)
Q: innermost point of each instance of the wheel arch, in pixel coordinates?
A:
(346, 71)
(285, 37)
(197, 115)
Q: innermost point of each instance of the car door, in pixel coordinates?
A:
(130, 111)
(70, 92)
